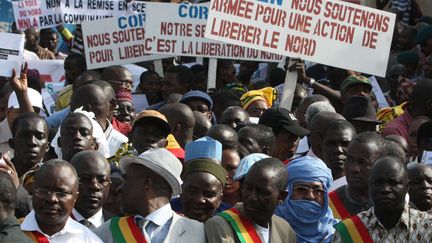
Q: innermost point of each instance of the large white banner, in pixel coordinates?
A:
(117, 40)
(331, 32)
(50, 13)
(178, 29)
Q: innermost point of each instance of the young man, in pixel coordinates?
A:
(263, 189)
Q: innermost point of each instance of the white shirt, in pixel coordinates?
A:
(264, 233)
(160, 224)
(114, 138)
(5, 135)
(338, 183)
(71, 232)
(30, 56)
(303, 146)
(97, 219)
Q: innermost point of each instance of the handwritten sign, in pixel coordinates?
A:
(118, 40)
(331, 32)
(178, 29)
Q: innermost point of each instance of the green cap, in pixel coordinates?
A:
(352, 80)
(408, 57)
(424, 34)
(206, 165)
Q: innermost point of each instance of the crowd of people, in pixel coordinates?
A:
(226, 164)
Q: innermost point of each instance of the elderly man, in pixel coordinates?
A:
(91, 166)
(150, 181)
(306, 206)
(203, 183)
(420, 186)
(263, 188)
(390, 219)
(362, 152)
(54, 196)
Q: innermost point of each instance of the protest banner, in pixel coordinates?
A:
(50, 13)
(11, 53)
(335, 33)
(180, 31)
(117, 40)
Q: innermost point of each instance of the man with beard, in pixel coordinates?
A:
(263, 188)
(76, 134)
(150, 181)
(420, 186)
(91, 166)
(55, 193)
(336, 137)
(390, 219)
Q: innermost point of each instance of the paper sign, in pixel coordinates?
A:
(43, 14)
(330, 32)
(178, 29)
(117, 40)
(11, 53)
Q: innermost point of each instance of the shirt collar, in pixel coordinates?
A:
(97, 219)
(161, 216)
(30, 224)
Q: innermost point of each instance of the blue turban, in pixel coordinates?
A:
(311, 221)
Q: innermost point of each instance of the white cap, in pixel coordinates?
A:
(34, 97)
(161, 162)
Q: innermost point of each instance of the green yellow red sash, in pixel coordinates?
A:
(243, 227)
(352, 230)
(337, 206)
(124, 229)
(37, 236)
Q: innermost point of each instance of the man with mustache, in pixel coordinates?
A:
(391, 219)
(54, 196)
(94, 177)
(362, 152)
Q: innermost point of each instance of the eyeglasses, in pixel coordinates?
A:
(100, 181)
(303, 190)
(43, 193)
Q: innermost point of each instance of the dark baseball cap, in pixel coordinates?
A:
(280, 118)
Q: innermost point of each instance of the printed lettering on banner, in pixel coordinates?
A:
(115, 41)
(331, 32)
(50, 13)
(180, 31)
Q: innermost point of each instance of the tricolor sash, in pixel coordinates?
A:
(124, 229)
(352, 230)
(242, 226)
(337, 206)
(36, 236)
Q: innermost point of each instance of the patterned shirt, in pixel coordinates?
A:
(413, 226)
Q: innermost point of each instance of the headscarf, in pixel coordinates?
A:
(123, 94)
(311, 221)
(268, 95)
(98, 134)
